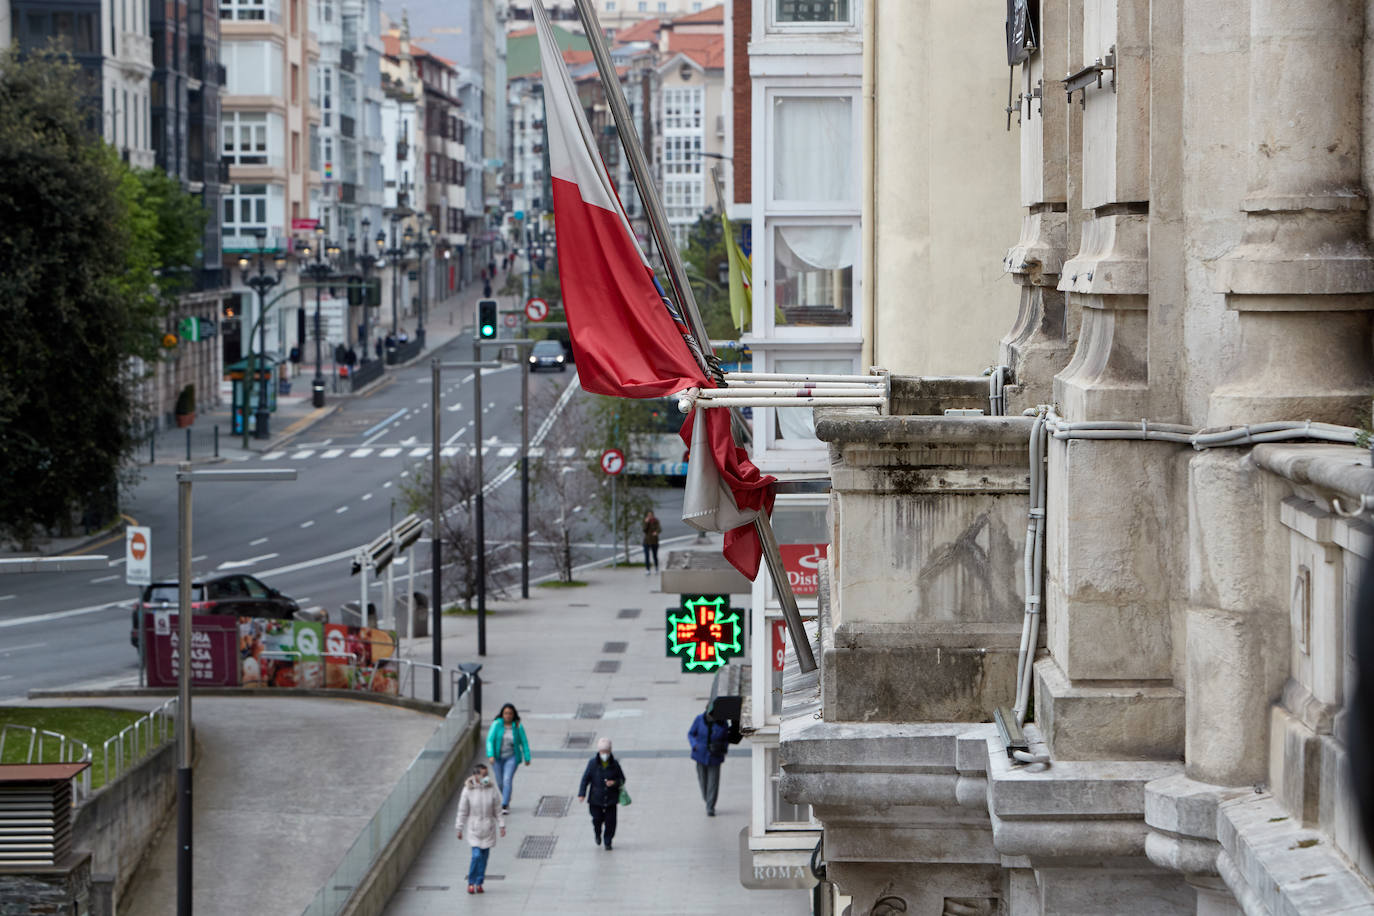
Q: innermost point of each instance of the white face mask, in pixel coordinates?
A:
(605, 756)
(486, 780)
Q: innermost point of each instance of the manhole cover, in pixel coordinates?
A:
(606, 666)
(628, 612)
(590, 711)
(614, 647)
(579, 739)
(536, 847)
(552, 806)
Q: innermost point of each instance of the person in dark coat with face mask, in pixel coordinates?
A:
(709, 739)
(600, 789)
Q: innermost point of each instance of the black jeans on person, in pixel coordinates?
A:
(603, 822)
(650, 550)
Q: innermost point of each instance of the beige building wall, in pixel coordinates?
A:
(943, 188)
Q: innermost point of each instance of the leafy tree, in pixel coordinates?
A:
(77, 252)
(702, 256)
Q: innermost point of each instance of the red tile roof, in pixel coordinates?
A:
(710, 14)
(521, 33)
(644, 30)
(706, 50)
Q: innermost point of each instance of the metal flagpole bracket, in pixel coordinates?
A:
(699, 341)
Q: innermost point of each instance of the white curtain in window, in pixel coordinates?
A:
(804, 248)
(800, 422)
(813, 147)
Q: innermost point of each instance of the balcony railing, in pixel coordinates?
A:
(137, 50)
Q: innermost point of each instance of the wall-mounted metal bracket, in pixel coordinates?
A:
(1090, 74)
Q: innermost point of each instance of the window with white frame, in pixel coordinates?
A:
(814, 150)
(250, 10)
(682, 108)
(251, 137)
(246, 210)
(826, 12)
(795, 427)
(813, 273)
(252, 67)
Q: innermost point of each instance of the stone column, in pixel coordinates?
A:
(1109, 277)
(1302, 276)
(1039, 344)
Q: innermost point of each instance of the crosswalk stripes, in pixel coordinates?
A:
(493, 449)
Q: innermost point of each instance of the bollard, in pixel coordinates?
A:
(188, 443)
(152, 448)
(216, 440)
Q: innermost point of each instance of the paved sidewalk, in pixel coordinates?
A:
(282, 788)
(669, 857)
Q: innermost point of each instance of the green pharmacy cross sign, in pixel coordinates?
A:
(704, 631)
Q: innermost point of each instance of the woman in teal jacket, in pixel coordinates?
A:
(506, 747)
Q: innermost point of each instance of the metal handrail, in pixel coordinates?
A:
(66, 753)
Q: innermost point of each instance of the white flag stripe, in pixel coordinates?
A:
(573, 152)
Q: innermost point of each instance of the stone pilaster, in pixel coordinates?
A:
(1302, 277)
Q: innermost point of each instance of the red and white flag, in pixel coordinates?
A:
(626, 342)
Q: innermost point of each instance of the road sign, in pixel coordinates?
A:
(536, 309)
(138, 555)
(511, 319)
(613, 461)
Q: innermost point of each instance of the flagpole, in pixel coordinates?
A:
(682, 290)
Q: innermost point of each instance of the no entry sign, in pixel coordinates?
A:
(138, 555)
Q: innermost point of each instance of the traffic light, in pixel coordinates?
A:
(486, 318)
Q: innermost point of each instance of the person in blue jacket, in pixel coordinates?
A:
(506, 747)
(709, 739)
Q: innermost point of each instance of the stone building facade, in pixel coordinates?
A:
(1193, 257)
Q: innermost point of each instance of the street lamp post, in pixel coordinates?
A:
(423, 244)
(366, 260)
(318, 270)
(260, 282)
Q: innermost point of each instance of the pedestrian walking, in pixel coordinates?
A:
(486, 289)
(602, 782)
(710, 740)
(479, 816)
(507, 746)
(651, 531)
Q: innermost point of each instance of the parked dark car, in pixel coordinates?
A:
(547, 354)
(234, 595)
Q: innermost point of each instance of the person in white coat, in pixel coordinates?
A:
(480, 817)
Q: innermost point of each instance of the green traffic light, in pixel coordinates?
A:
(488, 331)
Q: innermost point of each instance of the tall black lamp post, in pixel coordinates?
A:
(318, 270)
(364, 259)
(420, 246)
(260, 282)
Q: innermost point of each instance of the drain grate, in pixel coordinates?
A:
(628, 612)
(552, 806)
(431, 887)
(579, 739)
(614, 647)
(629, 699)
(606, 666)
(590, 711)
(536, 847)
(575, 604)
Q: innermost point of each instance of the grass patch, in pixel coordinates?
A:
(459, 611)
(559, 583)
(91, 724)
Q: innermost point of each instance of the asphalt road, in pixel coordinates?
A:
(299, 536)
